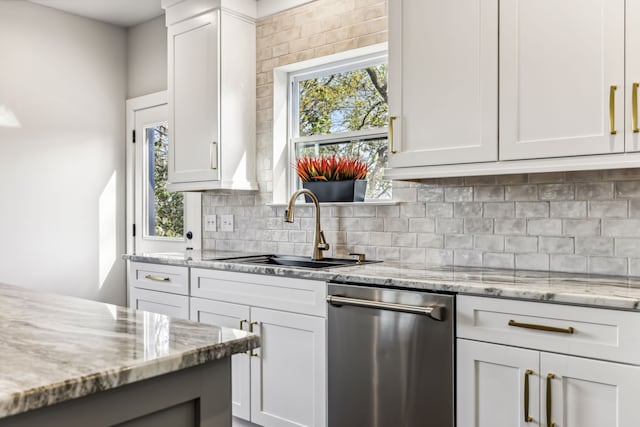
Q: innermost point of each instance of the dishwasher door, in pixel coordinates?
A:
(390, 368)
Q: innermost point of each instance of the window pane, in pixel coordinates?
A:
(341, 102)
(372, 151)
(165, 210)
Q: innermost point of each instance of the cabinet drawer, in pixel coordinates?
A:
(581, 331)
(280, 293)
(159, 277)
(160, 302)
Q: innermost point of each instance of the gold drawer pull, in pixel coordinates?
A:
(549, 422)
(391, 147)
(634, 107)
(568, 330)
(157, 278)
(527, 418)
(251, 325)
(612, 109)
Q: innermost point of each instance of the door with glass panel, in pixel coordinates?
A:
(162, 221)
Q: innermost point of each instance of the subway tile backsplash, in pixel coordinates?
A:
(582, 222)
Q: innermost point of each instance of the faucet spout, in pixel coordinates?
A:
(319, 242)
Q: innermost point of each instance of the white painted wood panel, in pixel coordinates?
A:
(159, 302)
(590, 393)
(598, 333)
(159, 277)
(557, 63)
(490, 385)
(234, 316)
(288, 377)
(632, 139)
(281, 293)
(443, 81)
(194, 99)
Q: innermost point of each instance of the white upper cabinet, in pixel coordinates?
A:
(562, 84)
(443, 71)
(212, 94)
(530, 86)
(632, 134)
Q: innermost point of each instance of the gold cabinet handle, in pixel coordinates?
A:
(391, 147)
(612, 109)
(242, 322)
(213, 155)
(527, 417)
(549, 422)
(157, 278)
(568, 330)
(251, 325)
(634, 107)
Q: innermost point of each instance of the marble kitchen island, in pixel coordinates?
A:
(71, 362)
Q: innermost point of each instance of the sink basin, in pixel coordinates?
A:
(297, 261)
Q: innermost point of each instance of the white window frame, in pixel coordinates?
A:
(285, 131)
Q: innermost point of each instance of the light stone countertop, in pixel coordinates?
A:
(54, 348)
(598, 291)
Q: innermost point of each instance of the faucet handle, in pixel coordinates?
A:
(361, 257)
(322, 244)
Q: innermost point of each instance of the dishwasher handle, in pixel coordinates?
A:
(435, 312)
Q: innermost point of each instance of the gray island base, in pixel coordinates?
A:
(76, 363)
(198, 396)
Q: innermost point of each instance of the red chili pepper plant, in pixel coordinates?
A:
(330, 168)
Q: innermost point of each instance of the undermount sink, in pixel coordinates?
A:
(297, 261)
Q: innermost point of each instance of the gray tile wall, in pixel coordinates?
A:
(571, 222)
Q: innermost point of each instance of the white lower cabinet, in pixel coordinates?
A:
(490, 385)
(159, 302)
(502, 385)
(284, 382)
(231, 316)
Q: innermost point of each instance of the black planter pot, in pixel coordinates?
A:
(337, 191)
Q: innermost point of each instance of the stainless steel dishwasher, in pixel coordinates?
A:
(391, 358)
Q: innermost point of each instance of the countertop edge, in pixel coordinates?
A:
(458, 286)
(52, 394)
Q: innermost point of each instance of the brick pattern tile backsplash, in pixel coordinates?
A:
(582, 222)
(569, 222)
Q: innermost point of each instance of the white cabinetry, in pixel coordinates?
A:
(443, 68)
(502, 385)
(557, 71)
(212, 64)
(284, 382)
(159, 288)
(632, 125)
(555, 98)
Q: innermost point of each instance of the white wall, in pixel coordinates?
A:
(147, 58)
(62, 171)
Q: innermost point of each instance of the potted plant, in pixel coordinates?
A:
(333, 179)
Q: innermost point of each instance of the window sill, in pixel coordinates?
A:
(371, 203)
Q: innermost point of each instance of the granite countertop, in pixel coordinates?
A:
(55, 348)
(598, 291)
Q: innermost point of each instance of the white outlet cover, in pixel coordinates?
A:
(226, 222)
(210, 223)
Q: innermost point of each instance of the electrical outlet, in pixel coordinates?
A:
(226, 222)
(210, 223)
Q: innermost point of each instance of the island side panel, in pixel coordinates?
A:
(193, 397)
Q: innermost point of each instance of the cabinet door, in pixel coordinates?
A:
(491, 386)
(443, 81)
(589, 393)
(288, 378)
(558, 63)
(632, 122)
(159, 302)
(231, 316)
(193, 99)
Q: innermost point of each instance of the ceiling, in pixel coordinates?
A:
(126, 13)
(123, 13)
